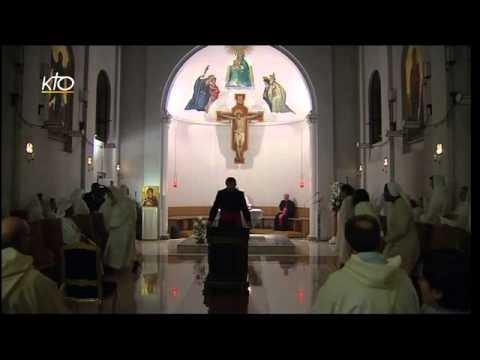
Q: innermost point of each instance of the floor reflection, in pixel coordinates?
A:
(172, 283)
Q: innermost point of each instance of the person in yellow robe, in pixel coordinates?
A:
(369, 283)
(25, 290)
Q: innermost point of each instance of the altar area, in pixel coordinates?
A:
(258, 244)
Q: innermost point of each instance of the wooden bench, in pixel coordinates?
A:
(433, 237)
(183, 217)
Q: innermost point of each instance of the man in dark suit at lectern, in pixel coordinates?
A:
(228, 244)
(231, 203)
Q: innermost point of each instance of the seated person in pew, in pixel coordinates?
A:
(287, 211)
(70, 231)
(445, 282)
(24, 289)
(35, 209)
(459, 217)
(438, 204)
(79, 205)
(369, 283)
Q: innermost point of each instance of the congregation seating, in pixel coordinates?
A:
(182, 219)
(46, 242)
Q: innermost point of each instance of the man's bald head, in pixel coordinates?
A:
(14, 230)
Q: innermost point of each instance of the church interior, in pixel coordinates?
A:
(352, 166)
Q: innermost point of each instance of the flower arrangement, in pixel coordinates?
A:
(200, 230)
(335, 200)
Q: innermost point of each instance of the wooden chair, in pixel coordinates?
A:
(83, 276)
(85, 224)
(101, 233)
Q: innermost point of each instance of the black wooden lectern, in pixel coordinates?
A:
(227, 259)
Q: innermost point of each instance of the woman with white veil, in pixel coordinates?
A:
(118, 251)
(35, 209)
(401, 238)
(70, 231)
(438, 205)
(79, 205)
(132, 205)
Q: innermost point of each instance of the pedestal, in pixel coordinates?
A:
(150, 223)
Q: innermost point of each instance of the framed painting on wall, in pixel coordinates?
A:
(150, 195)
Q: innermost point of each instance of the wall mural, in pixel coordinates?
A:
(210, 80)
(413, 84)
(60, 106)
(240, 73)
(205, 92)
(275, 95)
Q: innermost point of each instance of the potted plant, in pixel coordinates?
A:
(335, 203)
(200, 230)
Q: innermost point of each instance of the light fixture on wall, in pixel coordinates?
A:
(361, 168)
(175, 181)
(385, 164)
(29, 153)
(118, 167)
(360, 145)
(302, 183)
(438, 153)
(392, 95)
(449, 57)
(89, 163)
(427, 72)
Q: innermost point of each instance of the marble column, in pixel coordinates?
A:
(314, 232)
(165, 122)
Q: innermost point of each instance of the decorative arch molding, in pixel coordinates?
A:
(168, 84)
(313, 119)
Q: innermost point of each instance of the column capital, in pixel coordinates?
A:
(312, 118)
(165, 118)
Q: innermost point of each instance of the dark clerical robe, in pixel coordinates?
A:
(287, 211)
(230, 203)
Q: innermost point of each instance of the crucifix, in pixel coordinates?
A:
(240, 118)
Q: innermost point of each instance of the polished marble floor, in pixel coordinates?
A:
(169, 282)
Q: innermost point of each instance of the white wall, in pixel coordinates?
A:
(101, 58)
(54, 173)
(204, 159)
(160, 61)
(414, 163)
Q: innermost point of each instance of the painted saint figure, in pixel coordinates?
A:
(415, 89)
(275, 95)
(240, 74)
(205, 92)
(151, 199)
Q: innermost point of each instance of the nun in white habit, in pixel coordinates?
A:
(118, 251)
(438, 205)
(70, 231)
(79, 205)
(401, 238)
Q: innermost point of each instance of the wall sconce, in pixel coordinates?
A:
(302, 183)
(362, 145)
(438, 154)
(392, 95)
(90, 163)
(361, 168)
(29, 151)
(449, 57)
(118, 168)
(385, 164)
(427, 71)
(175, 181)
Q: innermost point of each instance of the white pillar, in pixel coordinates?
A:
(312, 120)
(163, 216)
